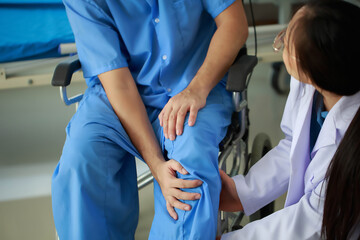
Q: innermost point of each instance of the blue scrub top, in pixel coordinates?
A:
(163, 42)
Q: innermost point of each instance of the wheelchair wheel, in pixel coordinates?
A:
(280, 79)
(261, 146)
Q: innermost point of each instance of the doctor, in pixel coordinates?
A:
(321, 50)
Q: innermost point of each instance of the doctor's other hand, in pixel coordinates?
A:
(229, 199)
(165, 174)
(172, 117)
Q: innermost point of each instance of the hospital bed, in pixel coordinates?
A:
(32, 31)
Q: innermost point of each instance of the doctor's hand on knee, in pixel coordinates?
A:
(172, 117)
(229, 199)
(165, 174)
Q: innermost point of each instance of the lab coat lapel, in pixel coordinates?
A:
(322, 152)
(330, 136)
(299, 155)
(337, 122)
(327, 135)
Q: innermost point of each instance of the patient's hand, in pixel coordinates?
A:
(165, 174)
(172, 117)
(229, 199)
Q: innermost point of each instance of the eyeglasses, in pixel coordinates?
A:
(278, 44)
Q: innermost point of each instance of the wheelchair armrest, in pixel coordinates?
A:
(239, 72)
(64, 71)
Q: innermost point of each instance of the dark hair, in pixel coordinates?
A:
(326, 40)
(342, 199)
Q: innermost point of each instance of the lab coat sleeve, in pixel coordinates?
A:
(99, 44)
(269, 177)
(301, 221)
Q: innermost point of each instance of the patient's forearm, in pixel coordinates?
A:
(125, 99)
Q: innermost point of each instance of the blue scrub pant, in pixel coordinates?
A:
(94, 186)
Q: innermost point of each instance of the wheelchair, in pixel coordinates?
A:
(234, 155)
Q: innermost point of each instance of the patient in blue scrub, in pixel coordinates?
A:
(156, 73)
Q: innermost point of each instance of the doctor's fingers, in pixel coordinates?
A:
(224, 177)
(227, 181)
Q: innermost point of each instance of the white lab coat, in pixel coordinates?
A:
(288, 167)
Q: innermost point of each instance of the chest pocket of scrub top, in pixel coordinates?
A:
(187, 14)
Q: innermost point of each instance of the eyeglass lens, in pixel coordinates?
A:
(279, 41)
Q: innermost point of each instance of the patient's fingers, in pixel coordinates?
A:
(161, 115)
(172, 123)
(181, 183)
(180, 120)
(176, 166)
(192, 116)
(171, 211)
(179, 205)
(186, 195)
(165, 119)
(165, 127)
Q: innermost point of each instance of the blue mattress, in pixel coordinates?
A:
(32, 29)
